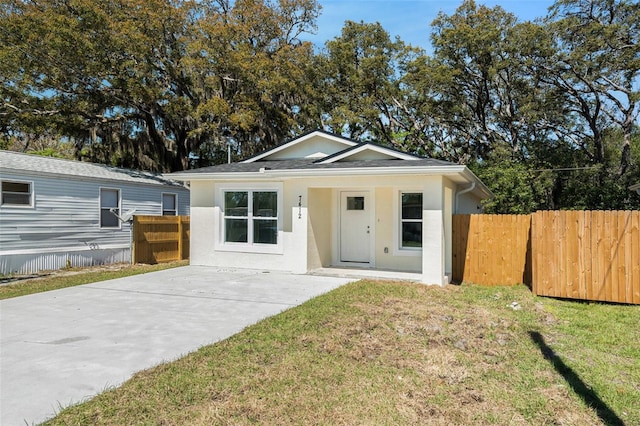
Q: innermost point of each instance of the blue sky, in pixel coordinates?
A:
(409, 19)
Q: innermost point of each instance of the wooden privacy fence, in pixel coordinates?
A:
(159, 239)
(589, 255)
(491, 249)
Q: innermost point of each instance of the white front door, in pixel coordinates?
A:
(355, 227)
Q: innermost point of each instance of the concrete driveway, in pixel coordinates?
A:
(65, 346)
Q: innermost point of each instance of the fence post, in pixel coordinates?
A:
(180, 253)
(134, 246)
(533, 244)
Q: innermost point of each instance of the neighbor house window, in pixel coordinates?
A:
(169, 205)
(109, 204)
(251, 217)
(19, 194)
(411, 220)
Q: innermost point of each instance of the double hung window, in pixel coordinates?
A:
(251, 217)
(109, 204)
(16, 194)
(169, 205)
(411, 220)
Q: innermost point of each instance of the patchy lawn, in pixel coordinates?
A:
(14, 286)
(400, 353)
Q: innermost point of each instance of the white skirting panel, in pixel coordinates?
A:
(29, 263)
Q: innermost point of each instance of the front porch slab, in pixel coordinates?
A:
(345, 272)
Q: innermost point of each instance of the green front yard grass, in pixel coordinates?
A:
(76, 276)
(375, 352)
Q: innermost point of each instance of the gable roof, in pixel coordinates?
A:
(330, 142)
(367, 151)
(635, 187)
(19, 163)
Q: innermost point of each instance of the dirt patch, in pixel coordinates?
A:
(433, 350)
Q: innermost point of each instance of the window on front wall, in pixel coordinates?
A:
(16, 193)
(169, 205)
(411, 220)
(355, 203)
(109, 204)
(251, 217)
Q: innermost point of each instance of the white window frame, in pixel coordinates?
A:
(249, 247)
(175, 201)
(100, 208)
(19, 206)
(398, 249)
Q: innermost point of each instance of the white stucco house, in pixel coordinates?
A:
(323, 201)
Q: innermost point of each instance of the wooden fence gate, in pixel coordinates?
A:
(589, 255)
(491, 249)
(159, 239)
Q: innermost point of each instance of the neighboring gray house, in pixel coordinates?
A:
(57, 212)
(635, 187)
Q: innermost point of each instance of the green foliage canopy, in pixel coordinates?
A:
(545, 112)
(152, 83)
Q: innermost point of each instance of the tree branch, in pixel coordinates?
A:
(30, 110)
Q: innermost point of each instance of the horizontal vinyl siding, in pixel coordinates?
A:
(31, 263)
(184, 202)
(66, 214)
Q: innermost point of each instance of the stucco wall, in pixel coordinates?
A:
(320, 227)
(433, 241)
(202, 194)
(468, 203)
(206, 223)
(448, 209)
(388, 255)
(312, 146)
